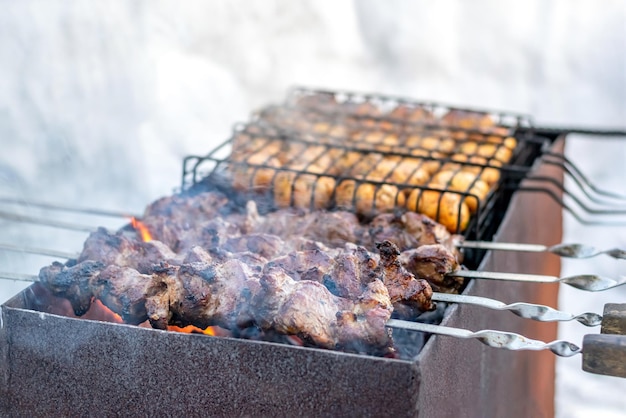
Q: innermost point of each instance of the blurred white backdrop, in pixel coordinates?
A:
(100, 101)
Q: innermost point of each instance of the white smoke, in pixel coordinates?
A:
(100, 101)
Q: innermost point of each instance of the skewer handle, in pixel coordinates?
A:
(605, 354)
(492, 338)
(524, 310)
(614, 319)
(588, 282)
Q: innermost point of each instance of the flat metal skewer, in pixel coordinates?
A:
(525, 310)
(46, 222)
(88, 211)
(563, 250)
(498, 339)
(38, 251)
(588, 282)
(18, 277)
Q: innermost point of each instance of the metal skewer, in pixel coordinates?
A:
(525, 310)
(19, 277)
(38, 251)
(46, 222)
(498, 339)
(563, 250)
(588, 282)
(88, 211)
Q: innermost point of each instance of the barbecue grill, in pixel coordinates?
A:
(196, 374)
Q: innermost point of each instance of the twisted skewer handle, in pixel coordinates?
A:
(588, 282)
(497, 339)
(562, 250)
(525, 310)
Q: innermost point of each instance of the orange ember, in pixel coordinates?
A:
(141, 229)
(100, 312)
(189, 329)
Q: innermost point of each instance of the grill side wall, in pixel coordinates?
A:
(469, 379)
(70, 367)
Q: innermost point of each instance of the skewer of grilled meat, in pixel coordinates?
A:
(232, 294)
(303, 258)
(182, 225)
(342, 270)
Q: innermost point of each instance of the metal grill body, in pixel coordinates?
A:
(125, 370)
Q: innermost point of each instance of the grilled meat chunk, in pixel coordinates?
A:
(333, 229)
(344, 304)
(403, 287)
(72, 282)
(307, 309)
(230, 296)
(407, 230)
(120, 250)
(206, 294)
(134, 296)
(433, 263)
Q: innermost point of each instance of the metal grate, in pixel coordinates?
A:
(370, 153)
(285, 159)
(404, 111)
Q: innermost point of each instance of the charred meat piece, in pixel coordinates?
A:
(265, 245)
(314, 265)
(206, 290)
(73, 282)
(406, 230)
(307, 309)
(354, 269)
(108, 248)
(345, 272)
(206, 294)
(403, 287)
(120, 250)
(134, 296)
(122, 289)
(433, 263)
(184, 209)
(331, 228)
(334, 229)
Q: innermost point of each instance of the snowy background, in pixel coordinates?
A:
(100, 101)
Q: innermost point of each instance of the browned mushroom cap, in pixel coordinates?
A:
(446, 208)
(368, 198)
(463, 181)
